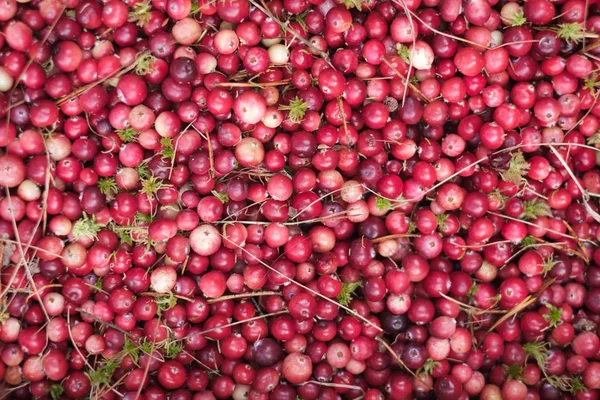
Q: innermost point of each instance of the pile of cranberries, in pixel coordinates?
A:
(299, 199)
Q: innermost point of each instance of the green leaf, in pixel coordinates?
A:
(382, 204)
(517, 168)
(348, 290)
(536, 208)
(86, 227)
(297, 109)
(554, 316)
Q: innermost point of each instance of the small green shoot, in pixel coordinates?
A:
(142, 218)
(98, 284)
(131, 349)
(195, 8)
(536, 208)
(517, 168)
(86, 227)
(518, 19)
(403, 52)
(528, 241)
(548, 265)
(223, 198)
(170, 347)
(143, 171)
(173, 350)
(297, 109)
(127, 135)
(352, 4)
(577, 385)
(4, 315)
(166, 302)
(573, 32)
(592, 83)
(124, 236)
(141, 13)
(56, 391)
(473, 290)
(594, 140)
(102, 375)
(168, 149)
(383, 204)
(539, 352)
(554, 316)
(348, 290)
(151, 185)
(497, 196)
(514, 372)
(108, 186)
(145, 63)
(560, 382)
(441, 220)
(428, 367)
